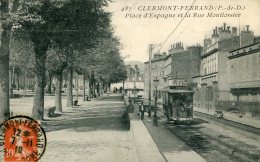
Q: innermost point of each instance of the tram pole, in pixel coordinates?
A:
(150, 62)
(135, 79)
(156, 83)
(151, 47)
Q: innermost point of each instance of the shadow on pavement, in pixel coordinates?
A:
(86, 124)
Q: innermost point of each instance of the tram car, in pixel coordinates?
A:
(178, 103)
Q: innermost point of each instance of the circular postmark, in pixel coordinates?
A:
(23, 139)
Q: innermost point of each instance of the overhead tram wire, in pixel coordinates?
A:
(176, 27)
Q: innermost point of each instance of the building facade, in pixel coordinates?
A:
(176, 68)
(134, 84)
(244, 78)
(157, 71)
(215, 82)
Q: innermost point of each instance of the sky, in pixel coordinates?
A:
(136, 29)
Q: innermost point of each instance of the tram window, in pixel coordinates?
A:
(183, 98)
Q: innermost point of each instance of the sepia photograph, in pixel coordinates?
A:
(129, 81)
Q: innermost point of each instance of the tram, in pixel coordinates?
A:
(178, 103)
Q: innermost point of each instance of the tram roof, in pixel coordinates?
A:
(167, 89)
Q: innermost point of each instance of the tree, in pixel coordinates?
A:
(46, 20)
(6, 25)
(21, 59)
(86, 23)
(56, 64)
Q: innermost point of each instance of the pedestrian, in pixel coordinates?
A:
(114, 89)
(142, 110)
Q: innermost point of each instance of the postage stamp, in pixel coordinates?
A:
(23, 139)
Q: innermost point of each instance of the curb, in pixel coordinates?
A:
(146, 149)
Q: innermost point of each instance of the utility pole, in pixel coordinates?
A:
(135, 78)
(150, 62)
(151, 47)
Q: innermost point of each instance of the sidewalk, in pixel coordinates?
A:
(254, 122)
(92, 132)
(170, 147)
(147, 150)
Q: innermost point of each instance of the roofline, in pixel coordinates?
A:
(155, 60)
(244, 47)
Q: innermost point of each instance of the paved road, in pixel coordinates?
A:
(171, 147)
(217, 143)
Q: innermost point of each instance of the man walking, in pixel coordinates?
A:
(142, 110)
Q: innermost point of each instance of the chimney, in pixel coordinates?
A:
(247, 28)
(228, 28)
(224, 26)
(234, 31)
(246, 37)
(164, 54)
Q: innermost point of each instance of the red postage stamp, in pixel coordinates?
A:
(24, 140)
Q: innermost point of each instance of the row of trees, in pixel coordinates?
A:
(57, 37)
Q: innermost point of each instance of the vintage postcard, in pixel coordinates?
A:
(130, 80)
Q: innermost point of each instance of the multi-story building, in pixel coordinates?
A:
(134, 84)
(157, 71)
(176, 68)
(214, 92)
(244, 78)
(135, 81)
(182, 64)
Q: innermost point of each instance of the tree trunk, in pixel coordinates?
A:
(89, 89)
(4, 59)
(70, 88)
(84, 87)
(101, 88)
(4, 72)
(24, 85)
(50, 83)
(41, 43)
(77, 87)
(98, 88)
(58, 102)
(13, 82)
(18, 82)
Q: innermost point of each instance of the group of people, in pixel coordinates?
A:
(115, 90)
(130, 109)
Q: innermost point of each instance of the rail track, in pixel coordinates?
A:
(214, 147)
(230, 123)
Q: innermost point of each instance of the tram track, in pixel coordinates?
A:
(203, 143)
(211, 147)
(229, 123)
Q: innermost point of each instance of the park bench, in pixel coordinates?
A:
(75, 103)
(51, 111)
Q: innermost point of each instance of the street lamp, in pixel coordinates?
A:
(156, 83)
